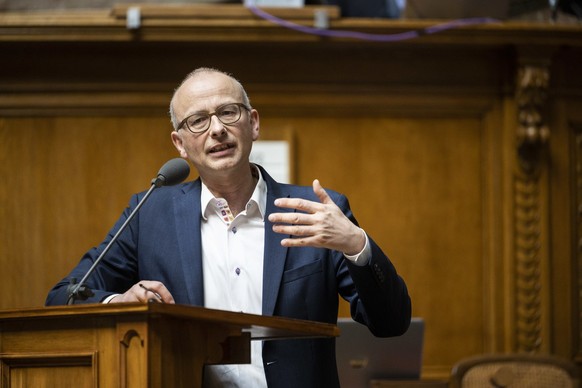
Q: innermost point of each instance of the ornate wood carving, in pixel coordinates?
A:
(532, 132)
(532, 138)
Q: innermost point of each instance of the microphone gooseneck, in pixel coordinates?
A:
(172, 172)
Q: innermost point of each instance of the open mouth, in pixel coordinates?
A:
(221, 147)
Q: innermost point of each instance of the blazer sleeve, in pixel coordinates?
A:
(377, 294)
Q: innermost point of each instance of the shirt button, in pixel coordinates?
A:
(234, 229)
(237, 271)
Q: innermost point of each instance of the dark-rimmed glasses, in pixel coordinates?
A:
(200, 122)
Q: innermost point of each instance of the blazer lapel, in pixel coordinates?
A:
(187, 215)
(275, 254)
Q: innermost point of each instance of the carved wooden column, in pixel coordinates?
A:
(531, 249)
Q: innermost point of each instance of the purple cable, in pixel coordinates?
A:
(365, 36)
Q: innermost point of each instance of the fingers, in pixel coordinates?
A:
(308, 241)
(298, 204)
(305, 205)
(145, 291)
(295, 230)
(309, 216)
(292, 218)
(158, 297)
(154, 291)
(320, 192)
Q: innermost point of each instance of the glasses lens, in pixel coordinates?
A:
(198, 122)
(228, 114)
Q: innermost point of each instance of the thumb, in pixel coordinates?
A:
(320, 192)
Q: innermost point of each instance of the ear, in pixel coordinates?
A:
(254, 117)
(179, 144)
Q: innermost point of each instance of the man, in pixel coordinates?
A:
(237, 240)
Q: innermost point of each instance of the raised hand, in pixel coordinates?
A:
(317, 224)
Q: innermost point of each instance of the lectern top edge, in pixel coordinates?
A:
(260, 327)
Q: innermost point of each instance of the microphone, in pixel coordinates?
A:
(172, 172)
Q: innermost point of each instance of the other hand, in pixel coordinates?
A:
(145, 291)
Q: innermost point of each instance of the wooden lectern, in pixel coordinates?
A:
(132, 345)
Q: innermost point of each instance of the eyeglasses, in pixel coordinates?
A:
(200, 122)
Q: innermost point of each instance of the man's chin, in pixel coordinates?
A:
(224, 164)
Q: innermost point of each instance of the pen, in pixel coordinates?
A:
(153, 292)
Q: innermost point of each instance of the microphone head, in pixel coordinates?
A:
(172, 172)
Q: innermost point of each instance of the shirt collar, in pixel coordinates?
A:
(259, 196)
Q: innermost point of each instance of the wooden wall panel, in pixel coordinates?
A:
(567, 241)
(416, 186)
(66, 180)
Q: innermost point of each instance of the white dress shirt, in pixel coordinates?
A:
(232, 264)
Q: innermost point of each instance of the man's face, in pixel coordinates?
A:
(222, 147)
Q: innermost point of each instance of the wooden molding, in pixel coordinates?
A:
(235, 23)
(218, 11)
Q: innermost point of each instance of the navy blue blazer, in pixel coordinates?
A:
(163, 243)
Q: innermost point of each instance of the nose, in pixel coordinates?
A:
(216, 128)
